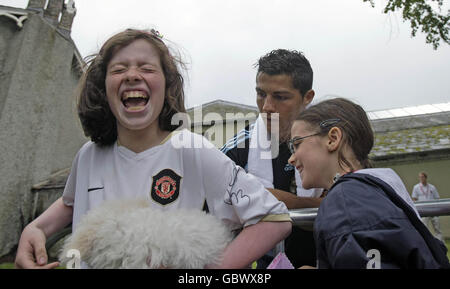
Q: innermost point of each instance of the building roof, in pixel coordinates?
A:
(409, 122)
(221, 108)
(17, 14)
(409, 111)
(413, 140)
(413, 129)
(20, 15)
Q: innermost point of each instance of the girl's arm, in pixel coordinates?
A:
(253, 242)
(31, 251)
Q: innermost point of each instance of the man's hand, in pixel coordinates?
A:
(293, 201)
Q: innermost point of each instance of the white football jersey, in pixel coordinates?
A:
(184, 171)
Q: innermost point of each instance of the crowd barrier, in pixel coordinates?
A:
(304, 218)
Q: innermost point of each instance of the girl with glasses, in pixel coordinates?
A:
(368, 219)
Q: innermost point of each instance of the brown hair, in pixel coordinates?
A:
(353, 122)
(95, 115)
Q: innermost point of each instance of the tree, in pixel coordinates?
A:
(421, 14)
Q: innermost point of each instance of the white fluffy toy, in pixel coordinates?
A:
(129, 234)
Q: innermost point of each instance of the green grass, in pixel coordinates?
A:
(7, 266)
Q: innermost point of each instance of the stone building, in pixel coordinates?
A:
(39, 129)
(220, 120)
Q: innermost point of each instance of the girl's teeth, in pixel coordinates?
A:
(135, 108)
(134, 94)
(134, 100)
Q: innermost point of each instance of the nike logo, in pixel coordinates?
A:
(94, 189)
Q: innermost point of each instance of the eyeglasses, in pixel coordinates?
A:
(296, 141)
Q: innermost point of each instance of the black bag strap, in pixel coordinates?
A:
(437, 248)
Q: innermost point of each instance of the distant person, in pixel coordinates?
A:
(283, 90)
(367, 219)
(424, 191)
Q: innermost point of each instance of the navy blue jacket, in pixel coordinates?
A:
(362, 212)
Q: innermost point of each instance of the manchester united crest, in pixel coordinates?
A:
(165, 187)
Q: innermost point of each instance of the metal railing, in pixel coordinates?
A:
(304, 218)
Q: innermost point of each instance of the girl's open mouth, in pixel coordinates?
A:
(135, 100)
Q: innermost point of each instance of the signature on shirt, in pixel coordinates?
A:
(237, 195)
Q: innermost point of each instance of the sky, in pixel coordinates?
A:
(356, 51)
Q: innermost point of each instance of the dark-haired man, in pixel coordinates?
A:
(284, 89)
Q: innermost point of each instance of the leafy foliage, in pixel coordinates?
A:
(420, 13)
